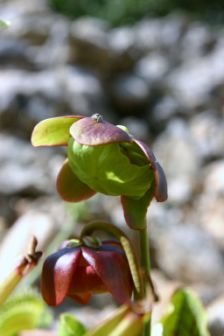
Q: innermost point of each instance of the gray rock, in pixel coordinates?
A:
(122, 40)
(153, 67)
(89, 43)
(214, 178)
(207, 132)
(24, 169)
(194, 81)
(137, 127)
(197, 42)
(186, 253)
(148, 35)
(157, 34)
(130, 92)
(209, 205)
(18, 88)
(175, 150)
(42, 220)
(14, 53)
(166, 108)
(27, 98)
(83, 91)
(216, 317)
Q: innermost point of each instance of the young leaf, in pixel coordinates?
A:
(53, 131)
(69, 326)
(4, 24)
(135, 210)
(23, 312)
(69, 187)
(187, 316)
(107, 327)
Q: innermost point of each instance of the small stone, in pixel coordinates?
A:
(152, 67)
(130, 93)
(207, 132)
(83, 91)
(137, 127)
(198, 41)
(42, 221)
(186, 253)
(175, 150)
(215, 313)
(166, 108)
(195, 80)
(89, 43)
(23, 170)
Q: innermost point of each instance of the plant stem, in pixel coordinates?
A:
(145, 265)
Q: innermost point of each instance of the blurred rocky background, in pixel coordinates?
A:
(154, 67)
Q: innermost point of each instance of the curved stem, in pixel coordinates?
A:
(145, 266)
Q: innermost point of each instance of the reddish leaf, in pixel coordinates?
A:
(160, 191)
(57, 274)
(92, 132)
(70, 188)
(113, 270)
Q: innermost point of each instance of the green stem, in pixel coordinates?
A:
(145, 266)
(144, 250)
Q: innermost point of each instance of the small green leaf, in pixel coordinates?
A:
(186, 317)
(69, 326)
(107, 327)
(53, 131)
(23, 312)
(135, 210)
(4, 24)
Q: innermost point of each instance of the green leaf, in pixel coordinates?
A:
(69, 326)
(53, 131)
(108, 170)
(135, 210)
(108, 326)
(186, 317)
(23, 312)
(4, 24)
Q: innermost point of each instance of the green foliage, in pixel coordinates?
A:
(186, 317)
(107, 327)
(115, 11)
(127, 11)
(23, 312)
(4, 24)
(69, 326)
(52, 131)
(104, 169)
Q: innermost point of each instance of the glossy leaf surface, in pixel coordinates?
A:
(135, 210)
(69, 186)
(160, 183)
(107, 169)
(58, 270)
(23, 312)
(70, 326)
(112, 269)
(108, 326)
(92, 132)
(53, 131)
(187, 316)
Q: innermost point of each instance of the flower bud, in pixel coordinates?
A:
(78, 272)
